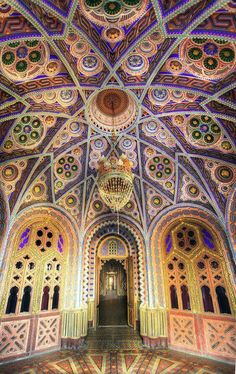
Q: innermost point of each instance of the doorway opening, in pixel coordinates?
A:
(113, 294)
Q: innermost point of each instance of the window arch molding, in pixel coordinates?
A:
(159, 230)
(132, 232)
(59, 222)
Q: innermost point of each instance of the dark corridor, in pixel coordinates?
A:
(113, 294)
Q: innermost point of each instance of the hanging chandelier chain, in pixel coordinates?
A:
(115, 181)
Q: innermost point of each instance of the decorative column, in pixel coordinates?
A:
(74, 316)
(74, 327)
(153, 326)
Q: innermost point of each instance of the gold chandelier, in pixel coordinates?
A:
(115, 181)
(115, 177)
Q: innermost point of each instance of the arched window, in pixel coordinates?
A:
(39, 252)
(185, 297)
(178, 281)
(52, 280)
(194, 270)
(207, 299)
(211, 280)
(55, 299)
(12, 300)
(174, 297)
(45, 298)
(223, 300)
(25, 303)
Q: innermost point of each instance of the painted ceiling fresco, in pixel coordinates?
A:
(167, 67)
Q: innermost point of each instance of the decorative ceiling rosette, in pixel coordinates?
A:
(190, 191)
(88, 62)
(174, 66)
(5, 9)
(100, 114)
(160, 168)
(98, 147)
(137, 62)
(155, 202)
(67, 168)
(24, 60)
(128, 147)
(162, 96)
(153, 129)
(105, 12)
(72, 129)
(113, 15)
(222, 174)
(204, 132)
(38, 191)
(27, 133)
(64, 97)
(10, 174)
(71, 202)
(208, 58)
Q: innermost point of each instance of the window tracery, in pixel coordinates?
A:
(35, 276)
(196, 273)
(211, 282)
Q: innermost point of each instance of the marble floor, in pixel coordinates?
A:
(116, 350)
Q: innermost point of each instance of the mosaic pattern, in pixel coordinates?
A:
(112, 15)
(137, 63)
(124, 52)
(131, 361)
(24, 60)
(208, 58)
(166, 69)
(88, 62)
(27, 132)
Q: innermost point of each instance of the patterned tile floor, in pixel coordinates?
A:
(115, 337)
(116, 351)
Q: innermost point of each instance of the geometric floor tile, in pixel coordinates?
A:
(143, 361)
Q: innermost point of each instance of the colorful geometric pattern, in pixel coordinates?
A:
(117, 362)
(169, 65)
(57, 59)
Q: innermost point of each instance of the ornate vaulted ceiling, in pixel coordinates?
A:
(168, 67)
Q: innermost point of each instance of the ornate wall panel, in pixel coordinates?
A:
(14, 337)
(48, 332)
(171, 63)
(208, 335)
(220, 336)
(182, 331)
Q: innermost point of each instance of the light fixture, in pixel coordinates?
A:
(115, 177)
(115, 181)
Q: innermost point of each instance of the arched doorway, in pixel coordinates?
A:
(115, 283)
(133, 254)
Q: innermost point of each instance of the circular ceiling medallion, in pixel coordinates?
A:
(112, 108)
(116, 13)
(208, 58)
